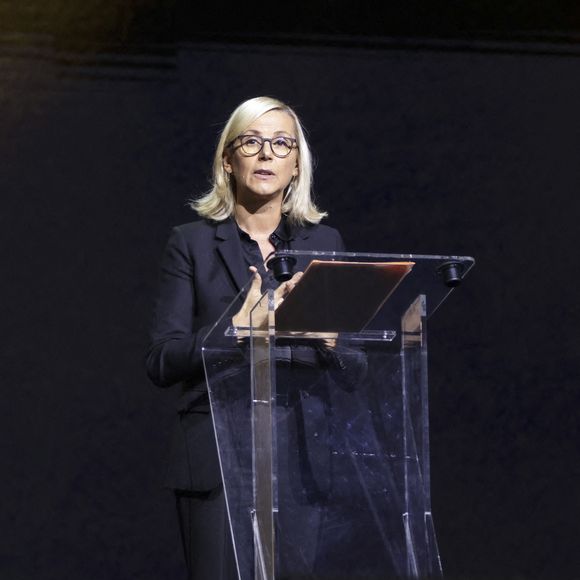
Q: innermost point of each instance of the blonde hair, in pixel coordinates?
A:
(218, 204)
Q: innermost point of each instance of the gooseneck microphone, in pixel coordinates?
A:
(281, 266)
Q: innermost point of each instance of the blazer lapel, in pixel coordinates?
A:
(230, 251)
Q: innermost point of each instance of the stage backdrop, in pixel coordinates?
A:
(423, 151)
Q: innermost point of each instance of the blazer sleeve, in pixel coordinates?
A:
(174, 352)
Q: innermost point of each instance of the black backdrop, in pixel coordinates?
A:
(419, 150)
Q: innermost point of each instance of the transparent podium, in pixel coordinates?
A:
(322, 423)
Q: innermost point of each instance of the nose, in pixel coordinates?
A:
(266, 153)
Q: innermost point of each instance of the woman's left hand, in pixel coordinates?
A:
(254, 311)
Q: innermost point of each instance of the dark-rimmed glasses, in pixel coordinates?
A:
(251, 145)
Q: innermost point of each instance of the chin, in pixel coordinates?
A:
(267, 194)
(260, 194)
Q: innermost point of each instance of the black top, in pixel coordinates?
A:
(280, 238)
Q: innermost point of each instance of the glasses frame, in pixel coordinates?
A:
(263, 140)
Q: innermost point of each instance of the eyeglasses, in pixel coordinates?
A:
(252, 145)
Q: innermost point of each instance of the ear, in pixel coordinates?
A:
(295, 170)
(227, 163)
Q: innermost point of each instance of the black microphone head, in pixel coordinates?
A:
(282, 267)
(451, 272)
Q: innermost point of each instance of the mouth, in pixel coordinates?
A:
(264, 172)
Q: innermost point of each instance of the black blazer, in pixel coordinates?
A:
(202, 270)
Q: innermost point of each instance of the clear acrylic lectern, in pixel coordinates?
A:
(323, 433)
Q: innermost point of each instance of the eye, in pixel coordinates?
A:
(282, 142)
(250, 140)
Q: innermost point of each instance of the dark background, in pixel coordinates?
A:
(438, 128)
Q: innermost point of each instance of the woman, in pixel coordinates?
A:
(260, 201)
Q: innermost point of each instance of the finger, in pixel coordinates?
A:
(256, 280)
(282, 290)
(294, 280)
(254, 291)
(285, 288)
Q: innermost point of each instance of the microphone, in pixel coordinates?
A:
(281, 266)
(451, 272)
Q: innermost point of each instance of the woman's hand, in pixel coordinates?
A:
(286, 287)
(259, 313)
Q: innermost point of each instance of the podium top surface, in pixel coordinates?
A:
(433, 276)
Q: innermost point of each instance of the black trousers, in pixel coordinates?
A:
(206, 536)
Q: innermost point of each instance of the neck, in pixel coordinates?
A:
(261, 219)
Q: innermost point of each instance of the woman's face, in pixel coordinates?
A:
(263, 176)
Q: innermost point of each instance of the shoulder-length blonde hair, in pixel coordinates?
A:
(218, 204)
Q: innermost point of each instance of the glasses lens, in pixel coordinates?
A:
(250, 144)
(281, 146)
